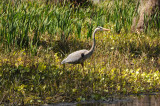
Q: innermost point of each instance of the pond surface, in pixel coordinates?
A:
(143, 100)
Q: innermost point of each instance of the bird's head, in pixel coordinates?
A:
(99, 28)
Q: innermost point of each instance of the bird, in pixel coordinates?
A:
(78, 57)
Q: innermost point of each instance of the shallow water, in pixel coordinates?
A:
(143, 100)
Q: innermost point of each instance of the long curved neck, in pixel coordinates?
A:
(94, 42)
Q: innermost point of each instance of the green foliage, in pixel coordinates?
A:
(23, 23)
(42, 80)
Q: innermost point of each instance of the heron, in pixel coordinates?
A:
(78, 57)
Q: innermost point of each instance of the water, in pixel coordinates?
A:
(143, 100)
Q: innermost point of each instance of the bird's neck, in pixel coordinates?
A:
(94, 42)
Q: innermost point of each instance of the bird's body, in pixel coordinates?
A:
(78, 57)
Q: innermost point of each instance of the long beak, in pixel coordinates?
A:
(106, 29)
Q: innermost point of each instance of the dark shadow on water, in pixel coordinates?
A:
(143, 100)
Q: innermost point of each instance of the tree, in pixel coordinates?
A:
(146, 9)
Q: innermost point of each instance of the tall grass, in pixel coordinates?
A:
(152, 23)
(24, 22)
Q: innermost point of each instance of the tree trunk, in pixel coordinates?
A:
(146, 9)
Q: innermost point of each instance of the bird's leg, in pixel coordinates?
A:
(82, 67)
(82, 64)
(63, 66)
(72, 67)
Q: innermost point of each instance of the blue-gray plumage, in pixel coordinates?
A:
(78, 57)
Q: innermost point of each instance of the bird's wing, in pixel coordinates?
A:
(74, 57)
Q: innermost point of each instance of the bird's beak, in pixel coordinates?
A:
(106, 29)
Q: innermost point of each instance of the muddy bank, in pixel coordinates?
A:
(132, 100)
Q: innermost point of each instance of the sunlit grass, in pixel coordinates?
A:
(41, 78)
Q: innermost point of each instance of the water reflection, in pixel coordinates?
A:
(145, 100)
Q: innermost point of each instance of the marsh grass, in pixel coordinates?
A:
(35, 37)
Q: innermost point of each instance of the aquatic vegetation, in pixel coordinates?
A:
(35, 37)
